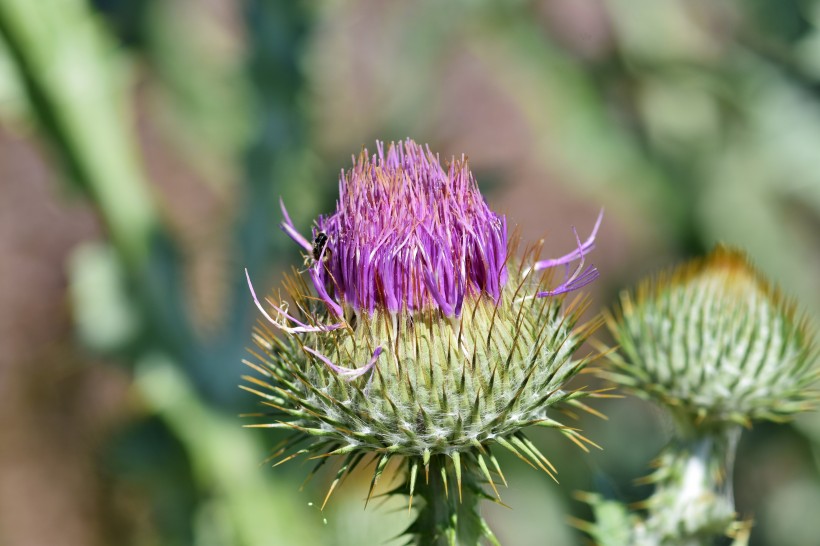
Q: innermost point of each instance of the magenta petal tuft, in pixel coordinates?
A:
(408, 234)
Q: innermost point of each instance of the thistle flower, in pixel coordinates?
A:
(719, 347)
(715, 342)
(426, 339)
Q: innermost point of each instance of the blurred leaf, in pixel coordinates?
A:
(746, 189)
(660, 30)
(151, 468)
(614, 524)
(127, 18)
(226, 462)
(576, 133)
(75, 87)
(14, 107)
(102, 312)
(781, 19)
(201, 95)
(682, 114)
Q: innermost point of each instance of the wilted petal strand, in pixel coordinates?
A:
(582, 249)
(589, 275)
(301, 327)
(287, 227)
(581, 276)
(348, 374)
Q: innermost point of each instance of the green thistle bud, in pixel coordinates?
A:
(714, 341)
(421, 336)
(719, 347)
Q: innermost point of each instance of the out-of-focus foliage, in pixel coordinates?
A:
(181, 122)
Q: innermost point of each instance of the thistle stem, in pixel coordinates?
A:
(448, 513)
(693, 501)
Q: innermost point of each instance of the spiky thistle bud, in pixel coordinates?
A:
(714, 343)
(418, 334)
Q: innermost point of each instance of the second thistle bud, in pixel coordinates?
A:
(716, 345)
(713, 340)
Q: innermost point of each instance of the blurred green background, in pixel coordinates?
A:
(144, 145)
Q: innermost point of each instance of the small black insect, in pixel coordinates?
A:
(319, 244)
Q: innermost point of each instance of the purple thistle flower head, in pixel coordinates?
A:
(429, 339)
(409, 234)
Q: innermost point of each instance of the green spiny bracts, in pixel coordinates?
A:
(716, 343)
(445, 390)
(719, 347)
(440, 385)
(419, 335)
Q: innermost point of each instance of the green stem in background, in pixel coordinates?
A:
(448, 495)
(693, 501)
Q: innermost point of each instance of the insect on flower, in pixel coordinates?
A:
(319, 245)
(422, 336)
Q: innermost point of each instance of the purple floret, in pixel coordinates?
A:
(408, 234)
